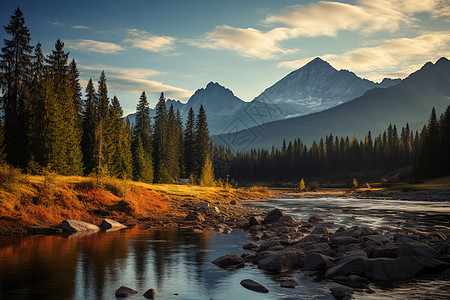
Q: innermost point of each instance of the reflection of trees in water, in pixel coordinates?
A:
(196, 253)
(32, 266)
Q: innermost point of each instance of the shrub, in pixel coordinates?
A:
(258, 189)
(368, 185)
(10, 177)
(355, 183)
(302, 187)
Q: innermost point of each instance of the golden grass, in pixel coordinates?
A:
(47, 200)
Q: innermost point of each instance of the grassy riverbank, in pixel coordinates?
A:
(33, 203)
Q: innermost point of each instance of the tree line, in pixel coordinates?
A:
(339, 157)
(47, 123)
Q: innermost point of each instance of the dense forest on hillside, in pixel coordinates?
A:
(339, 157)
(47, 124)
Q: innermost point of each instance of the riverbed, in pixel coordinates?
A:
(178, 264)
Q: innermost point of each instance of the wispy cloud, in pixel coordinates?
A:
(95, 46)
(80, 27)
(367, 16)
(146, 41)
(390, 57)
(134, 80)
(248, 42)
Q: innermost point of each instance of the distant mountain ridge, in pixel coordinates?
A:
(409, 101)
(315, 87)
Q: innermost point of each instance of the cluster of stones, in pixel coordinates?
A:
(124, 292)
(347, 259)
(75, 226)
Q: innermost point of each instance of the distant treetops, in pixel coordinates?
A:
(48, 124)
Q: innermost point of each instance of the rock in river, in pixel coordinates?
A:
(290, 283)
(124, 291)
(111, 224)
(273, 216)
(315, 219)
(78, 226)
(340, 291)
(254, 286)
(150, 294)
(255, 220)
(230, 261)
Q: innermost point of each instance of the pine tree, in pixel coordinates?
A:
(142, 124)
(89, 117)
(201, 141)
(160, 145)
(103, 143)
(142, 142)
(15, 77)
(120, 164)
(189, 135)
(76, 89)
(70, 126)
(207, 173)
(2, 144)
(172, 154)
(445, 140)
(180, 145)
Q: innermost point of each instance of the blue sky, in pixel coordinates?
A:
(180, 46)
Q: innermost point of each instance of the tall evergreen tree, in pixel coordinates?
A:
(102, 153)
(173, 147)
(15, 77)
(201, 141)
(70, 126)
(142, 142)
(180, 145)
(162, 174)
(88, 123)
(189, 135)
(74, 81)
(2, 144)
(120, 164)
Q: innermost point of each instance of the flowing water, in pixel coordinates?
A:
(178, 265)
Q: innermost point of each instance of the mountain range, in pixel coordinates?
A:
(411, 101)
(314, 87)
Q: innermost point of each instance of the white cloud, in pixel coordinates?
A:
(394, 56)
(134, 80)
(368, 16)
(146, 41)
(94, 46)
(80, 27)
(248, 42)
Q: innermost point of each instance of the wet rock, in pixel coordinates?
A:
(316, 261)
(343, 240)
(353, 264)
(280, 261)
(341, 291)
(268, 244)
(255, 220)
(73, 226)
(315, 219)
(416, 248)
(247, 257)
(273, 216)
(312, 238)
(150, 294)
(124, 291)
(322, 248)
(227, 230)
(389, 250)
(389, 269)
(251, 246)
(290, 284)
(230, 261)
(111, 224)
(194, 217)
(321, 230)
(286, 219)
(276, 248)
(254, 286)
(256, 238)
(354, 232)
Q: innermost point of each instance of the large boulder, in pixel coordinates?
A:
(316, 261)
(194, 217)
(389, 269)
(280, 261)
(321, 230)
(286, 219)
(251, 246)
(254, 286)
(150, 294)
(111, 224)
(230, 261)
(273, 216)
(124, 291)
(341, 292)
(255, 220)
(73, 226)
(315, 219)
(353, 264)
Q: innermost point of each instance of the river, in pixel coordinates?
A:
(178, 265)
